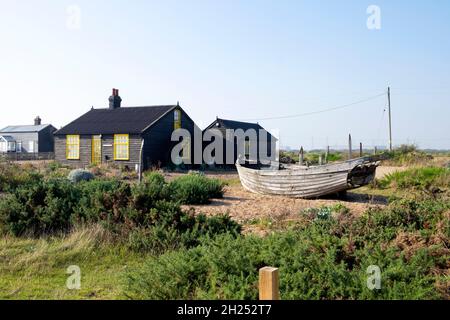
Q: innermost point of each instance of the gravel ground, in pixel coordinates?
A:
(243, 206)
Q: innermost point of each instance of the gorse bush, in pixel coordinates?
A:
(41, 207)
(144, 214)
(195, 189)
(407, 155)
(326, 259)
(13, 176)
(173, 228)
(417, 178)
(187, 189)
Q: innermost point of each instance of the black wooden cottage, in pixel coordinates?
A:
(37, 138)
(235, 149)
(122, 135)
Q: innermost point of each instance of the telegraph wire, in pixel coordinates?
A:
(317, 112)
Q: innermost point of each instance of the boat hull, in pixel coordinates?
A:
(308, 182)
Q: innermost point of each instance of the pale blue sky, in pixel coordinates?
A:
(238, 60)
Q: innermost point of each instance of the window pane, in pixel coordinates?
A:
(121, 147)
(72, 147)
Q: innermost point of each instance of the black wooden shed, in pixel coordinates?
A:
(235, 145)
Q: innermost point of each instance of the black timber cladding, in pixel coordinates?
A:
(223, 124)
(154, 125)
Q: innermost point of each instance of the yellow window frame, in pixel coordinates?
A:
(186, 154)
(96, 149)
(121, 140)
(72, 141)
(177, 119)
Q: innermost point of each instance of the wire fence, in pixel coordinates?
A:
(25, 156)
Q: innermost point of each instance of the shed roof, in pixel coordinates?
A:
(120, 120)
(232, 124)
(235, 125)
(22, 129)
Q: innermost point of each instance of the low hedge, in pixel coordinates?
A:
(324, 259)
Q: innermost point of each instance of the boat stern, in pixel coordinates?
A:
(362, 175)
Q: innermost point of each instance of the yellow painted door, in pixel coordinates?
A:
(96, 150)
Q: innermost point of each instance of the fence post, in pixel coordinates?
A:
(327, 154)
(349, 147)
(360, 150)
(301, 157)
(269, 283)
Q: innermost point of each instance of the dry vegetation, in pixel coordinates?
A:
(322, 246)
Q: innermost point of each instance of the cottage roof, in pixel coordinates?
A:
(23, 129)
(132, 120)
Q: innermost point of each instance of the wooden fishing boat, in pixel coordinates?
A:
(308, 181)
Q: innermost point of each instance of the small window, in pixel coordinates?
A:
(121, 147)
(73, 147)
(177, 119)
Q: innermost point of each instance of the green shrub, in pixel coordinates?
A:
(418, 178)
(195, 189)
(39, 208)
(103, 200)
(13, 176)
(79, 175)
(167, 227)
(152, 189)
(54, 166)
(326, 259)
(139, 214)
(332, 157)
(407, 155)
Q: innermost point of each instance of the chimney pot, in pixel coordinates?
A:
(114, 100)
(37, 121)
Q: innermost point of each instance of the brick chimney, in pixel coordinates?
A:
(37, 121)
(114, 100)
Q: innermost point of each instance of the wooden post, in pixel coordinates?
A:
(320, 160)
(269, 282)
(375, 150)
(360, 150)
(327, 154)
(390, 119)
(349, 146)
(301, 157)
(141, 153)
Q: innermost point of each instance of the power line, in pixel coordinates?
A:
(319, 111)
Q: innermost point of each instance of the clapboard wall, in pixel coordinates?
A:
(158, 145)
(107, 151)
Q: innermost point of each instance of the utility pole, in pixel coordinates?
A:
(390, 119)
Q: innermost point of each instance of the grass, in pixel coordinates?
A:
(416, 178)
(407, 155)
(312, 157)
(36, 268)
(325, 258)
(323, 255)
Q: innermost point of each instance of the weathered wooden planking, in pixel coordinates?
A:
(302, 181)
